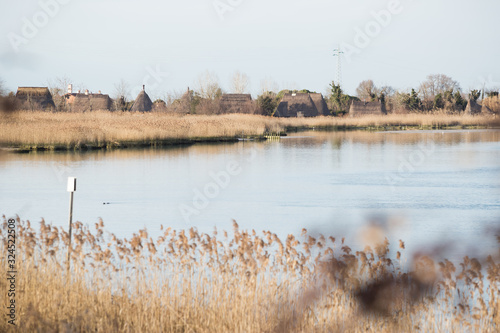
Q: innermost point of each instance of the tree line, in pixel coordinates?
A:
(436, 94)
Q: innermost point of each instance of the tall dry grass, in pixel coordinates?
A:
(493, 103)
(102, 127)
(186, 281)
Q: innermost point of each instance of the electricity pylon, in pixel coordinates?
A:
(338, 53)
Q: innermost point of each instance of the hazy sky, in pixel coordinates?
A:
(168, 44)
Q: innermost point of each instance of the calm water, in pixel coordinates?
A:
(424, 187)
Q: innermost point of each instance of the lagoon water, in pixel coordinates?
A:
(425, 187)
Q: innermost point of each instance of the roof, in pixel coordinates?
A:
(320, 104)
(34, 97)
(364, 108)
(82, 95)
(474, 107)
(84, 102)
(236, 103)
(142, 102)
(296, 105)
(236, 98)
(40, 91)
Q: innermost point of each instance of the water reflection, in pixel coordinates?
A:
(443, 183)
(336, 139)
(306, 139)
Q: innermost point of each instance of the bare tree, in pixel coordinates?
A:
(179, 102)
(122, 89)
(268, 85)
(388, 91)
(208, 85)
(436, 84)
(121, 95)
(58, 88)
(240, 83)
(366, 91)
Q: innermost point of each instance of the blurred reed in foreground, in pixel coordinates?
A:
(186, 281)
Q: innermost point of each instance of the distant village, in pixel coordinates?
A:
(291, 104)
(284, 104)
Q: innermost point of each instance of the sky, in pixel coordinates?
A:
(167, 45)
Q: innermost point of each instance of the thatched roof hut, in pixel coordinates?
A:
(80, 102)
(236, 103)
(360, 108)
(159, 106)
(474, 107)
(142, 103)
(34, 98)
(320, 104)
(296, 105)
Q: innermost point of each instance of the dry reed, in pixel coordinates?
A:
(97, 128)
(186, 281)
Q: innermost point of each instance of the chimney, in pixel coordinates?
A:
(143, 87)
(86, 91)
(70, 88)
(79, 91)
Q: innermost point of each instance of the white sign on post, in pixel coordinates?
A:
(71, 190)
(71, 184)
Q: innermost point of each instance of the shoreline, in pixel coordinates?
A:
(172, 142)
(26, 132)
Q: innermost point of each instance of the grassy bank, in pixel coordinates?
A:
(185, 281)
(102, 129)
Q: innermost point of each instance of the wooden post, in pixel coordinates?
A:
(71, 190)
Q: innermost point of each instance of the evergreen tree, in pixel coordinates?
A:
(474, 95)
(412, 101)
(338, 100)
(459, 101)
(438, 102)
(268, 103)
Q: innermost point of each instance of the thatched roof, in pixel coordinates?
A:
(296, 105)
(475, 108)
(142, 103)
(359, 108)
(88, 102)
(320, 104)
(34, 97)
(231, 98)
(33, 91)
(472, 107)
(236, 103)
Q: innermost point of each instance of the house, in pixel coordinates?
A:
(236, 103)
(86, 101)
(34, 98)
(301, 105)
(142, 103)
(360, 108)
(475, 108)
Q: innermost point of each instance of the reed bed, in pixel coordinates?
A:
(242, 281)
(416, 120)
(104, 128)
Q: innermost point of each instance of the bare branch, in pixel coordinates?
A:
(240, 83)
